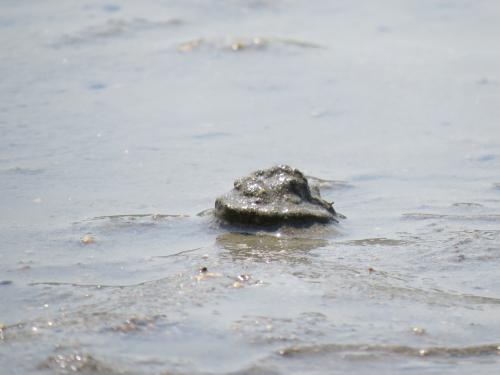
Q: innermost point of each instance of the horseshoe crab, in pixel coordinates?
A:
(275, 196)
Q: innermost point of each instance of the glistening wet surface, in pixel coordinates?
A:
(120, 122)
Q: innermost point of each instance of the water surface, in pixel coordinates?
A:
(120, 121)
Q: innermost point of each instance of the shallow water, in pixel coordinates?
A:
(120, 121)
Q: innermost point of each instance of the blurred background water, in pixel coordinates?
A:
(122, 120)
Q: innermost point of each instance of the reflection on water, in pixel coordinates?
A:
(267, 247)
(249, 242)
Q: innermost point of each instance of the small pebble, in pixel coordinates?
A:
(204, 274)
(244, 277)
(418, 331)
(237, 46)
(87, 239)
(237, 285)
(5, 282)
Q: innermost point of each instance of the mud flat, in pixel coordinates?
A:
(120, 121)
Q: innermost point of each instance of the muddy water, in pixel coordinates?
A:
(120, 121)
